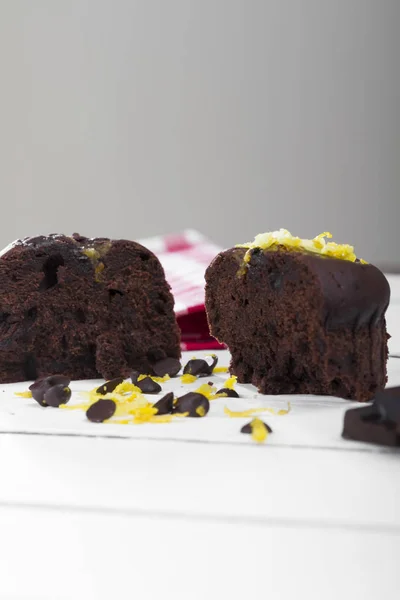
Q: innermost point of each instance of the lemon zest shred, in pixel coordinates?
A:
(206, 390)
(125, 387)
(91, 253)
(220, 369)
(283, 238)
(155, 378)
(82, 406)
(230, 383)
(187, 378)
(27, 394)
(252, 411)
(259, 432)
(246, 413)
(201, 411)
(285, 411)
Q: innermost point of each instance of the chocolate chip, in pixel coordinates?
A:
(389, 408)
(101, 411)
(167, 366)
(134, 377)
(230, 393)
(165, 406)
(109, 386)
(193, 403)
(148, 386)
(248, 428)
(200, 367)
(41, 385)
(56, 395)
(363, 425)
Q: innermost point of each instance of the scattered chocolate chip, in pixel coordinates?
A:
(109, 386)
(167, 366)
(101, 411)
(377, 423)
(230, 393)
(165, 406)
(248, 428)
(41, 385)
(363, 425)
(148, 386)
(210, 383)
(56, 395)
(134, 377)
(200, 367)
(193, 403)
(387, 403)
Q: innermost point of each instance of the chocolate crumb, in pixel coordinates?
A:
(109, 386)
(167, 366)
(165, 406)
(148, 386)
(101, 411)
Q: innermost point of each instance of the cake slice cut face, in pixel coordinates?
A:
(86, 308)
(300, 316)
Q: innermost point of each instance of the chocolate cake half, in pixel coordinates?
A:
(83, 307)
(300, 316)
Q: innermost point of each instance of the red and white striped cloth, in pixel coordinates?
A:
(185, 257)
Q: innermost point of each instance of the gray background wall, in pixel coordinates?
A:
(136, 117)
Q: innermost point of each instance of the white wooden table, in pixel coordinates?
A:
(195, 510)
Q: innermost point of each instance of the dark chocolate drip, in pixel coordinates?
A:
(355, 294)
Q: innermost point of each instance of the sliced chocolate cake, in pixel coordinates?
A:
(300, 316)
(83, 307)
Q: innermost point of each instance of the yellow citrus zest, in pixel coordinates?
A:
(283, 238)
(187, 378)
(259, 432)
(230, 383)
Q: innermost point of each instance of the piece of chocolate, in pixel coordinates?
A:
(193, 403)
(165, 406)
(43, 384)
(56, 395)
(148, 386)
(229, 392)
(248, 428)
(388, 404)
(101, 411)
(109, 386)
(360, 424)
(200, 367)
(167, 366)
(135, 376)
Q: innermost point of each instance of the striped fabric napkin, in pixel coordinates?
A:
(185, 257)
